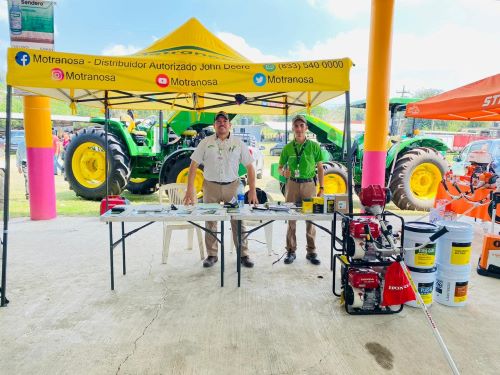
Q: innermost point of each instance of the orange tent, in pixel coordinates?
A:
(477, 101)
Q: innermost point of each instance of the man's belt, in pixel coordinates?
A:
(301, 180)
(221, 183)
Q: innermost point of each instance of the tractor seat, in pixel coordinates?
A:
(189, 133)
(139, 136)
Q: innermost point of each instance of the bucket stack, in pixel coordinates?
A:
(421, 263)
(453, 263)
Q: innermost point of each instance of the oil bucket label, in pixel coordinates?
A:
(425, 290)
(425, 256)
(460, 253)
(460, 291)
(439, 286)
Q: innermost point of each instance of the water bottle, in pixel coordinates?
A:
(15, 18)
(241, 196)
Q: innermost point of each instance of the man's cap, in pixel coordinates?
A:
(299, 118)
(223, 114)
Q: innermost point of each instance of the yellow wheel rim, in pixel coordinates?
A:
(334, 184)
(424, 181)
(137, 180)
(182, 178)
(88, 165)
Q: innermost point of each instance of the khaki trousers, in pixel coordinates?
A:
(215, 193)
(296, 192)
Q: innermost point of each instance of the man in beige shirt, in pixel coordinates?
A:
(221, 155)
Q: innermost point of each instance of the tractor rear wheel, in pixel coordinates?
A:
(178, 173)
(416, 178)
(142, 186)
(85, 164)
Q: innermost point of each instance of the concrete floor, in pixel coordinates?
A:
(175, 319)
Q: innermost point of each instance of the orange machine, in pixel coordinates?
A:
(489, 262)
(470, 194)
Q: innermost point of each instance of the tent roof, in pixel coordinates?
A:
(477, 101)
(194, 39)
(189, 69)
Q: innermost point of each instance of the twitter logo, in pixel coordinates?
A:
(259, 79)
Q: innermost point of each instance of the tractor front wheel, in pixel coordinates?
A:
(335, 179)
(178, 173)
(416, 178)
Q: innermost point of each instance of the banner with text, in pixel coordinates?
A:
(31, 24)
(159, 74)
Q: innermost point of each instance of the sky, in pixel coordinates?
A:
(437, 44)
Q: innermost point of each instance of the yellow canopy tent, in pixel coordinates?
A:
(189, 69)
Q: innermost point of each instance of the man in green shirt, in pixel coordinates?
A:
(298, 163)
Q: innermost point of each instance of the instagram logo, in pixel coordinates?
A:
(162, 80)
(57, 74)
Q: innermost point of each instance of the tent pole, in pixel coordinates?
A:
(106, 149)
(160, 139)
(6, 195)
(286, 119)
(347, 127)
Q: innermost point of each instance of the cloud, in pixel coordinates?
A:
(241, 46)
(446, 58)
(120, 50)
(4, 14)
(449, 57)
(352, 44)
(342, 9)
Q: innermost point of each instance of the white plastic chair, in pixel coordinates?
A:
(268, 230)
(175, 193)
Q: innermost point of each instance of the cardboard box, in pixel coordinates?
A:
(341, 203)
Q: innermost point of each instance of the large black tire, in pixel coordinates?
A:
(416, 177)
(84, 164)
(177, 173)
(146, 187)
(335, 178)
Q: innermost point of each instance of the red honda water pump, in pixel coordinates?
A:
(363, 289)
(369, 246)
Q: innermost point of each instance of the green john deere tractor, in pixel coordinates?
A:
(415, 165)
(139, 157)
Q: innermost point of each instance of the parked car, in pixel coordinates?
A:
(16, 136)
(248, 139)
(492, 146)
(256, 152)
(276, 149)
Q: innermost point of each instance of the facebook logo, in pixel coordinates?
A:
(22, 58)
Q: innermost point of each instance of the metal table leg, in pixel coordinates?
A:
(332, 239)
(110, 224)
(222, 253)
(238, 253)
(123, 248)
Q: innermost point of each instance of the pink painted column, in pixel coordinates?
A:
(40, 154)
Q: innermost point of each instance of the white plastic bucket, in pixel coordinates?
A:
(415, 234)
(452, 283)
(424, 280)
(455, 247)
